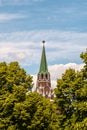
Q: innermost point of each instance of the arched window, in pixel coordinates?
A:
(46, 76)
(42, 76)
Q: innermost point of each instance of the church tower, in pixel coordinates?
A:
(43, 86)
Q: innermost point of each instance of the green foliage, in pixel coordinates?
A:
(20, 109)
(10, 75)
(71, 98)
(32, 113)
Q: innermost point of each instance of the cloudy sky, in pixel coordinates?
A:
(61, 23)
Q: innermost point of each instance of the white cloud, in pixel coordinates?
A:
(27, 45)
(7, 16)
(34, 80)
(25, 53)
(51, 36)
(56, 72)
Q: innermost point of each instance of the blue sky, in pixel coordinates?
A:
(28, 15)
(25, 23)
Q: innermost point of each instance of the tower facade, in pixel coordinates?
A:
(43, 85)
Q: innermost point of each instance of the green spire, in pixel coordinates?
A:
(43, 64)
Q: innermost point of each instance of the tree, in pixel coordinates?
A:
(11, 74)
(37, 113)
(32, 112)
(14, 84)
(71, 98)
(20, 109)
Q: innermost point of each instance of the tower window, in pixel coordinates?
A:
(46, 76)
(38, 76)
(42, 76)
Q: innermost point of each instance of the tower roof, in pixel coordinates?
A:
(43, 63)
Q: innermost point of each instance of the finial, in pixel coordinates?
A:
(43, 42)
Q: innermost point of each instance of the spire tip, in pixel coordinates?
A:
(43, 42)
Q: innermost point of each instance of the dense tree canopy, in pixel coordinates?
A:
(32, 113)
(20, 109)
(71, 98)
(11, 74)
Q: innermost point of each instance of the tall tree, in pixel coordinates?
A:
(11, 74)
(71, 98)
(20, 109)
